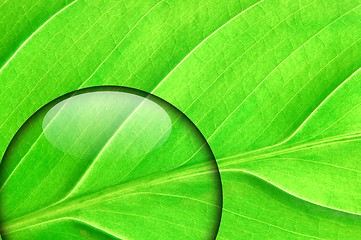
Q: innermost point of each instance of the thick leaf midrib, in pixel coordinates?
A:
(185, 172)
(66, 206)
(284, 149)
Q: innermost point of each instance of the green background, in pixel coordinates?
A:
(273, 85)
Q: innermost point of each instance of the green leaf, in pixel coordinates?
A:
(273, 85)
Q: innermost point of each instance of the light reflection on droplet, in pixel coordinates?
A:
(83, 124)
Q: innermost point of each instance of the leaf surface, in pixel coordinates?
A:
(274, 86)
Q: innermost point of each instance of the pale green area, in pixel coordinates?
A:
(274, 86)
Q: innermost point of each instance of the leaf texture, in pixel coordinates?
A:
(274, 86)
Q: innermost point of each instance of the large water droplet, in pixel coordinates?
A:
(110, 158)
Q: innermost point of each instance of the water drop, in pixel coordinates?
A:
(109, 158)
